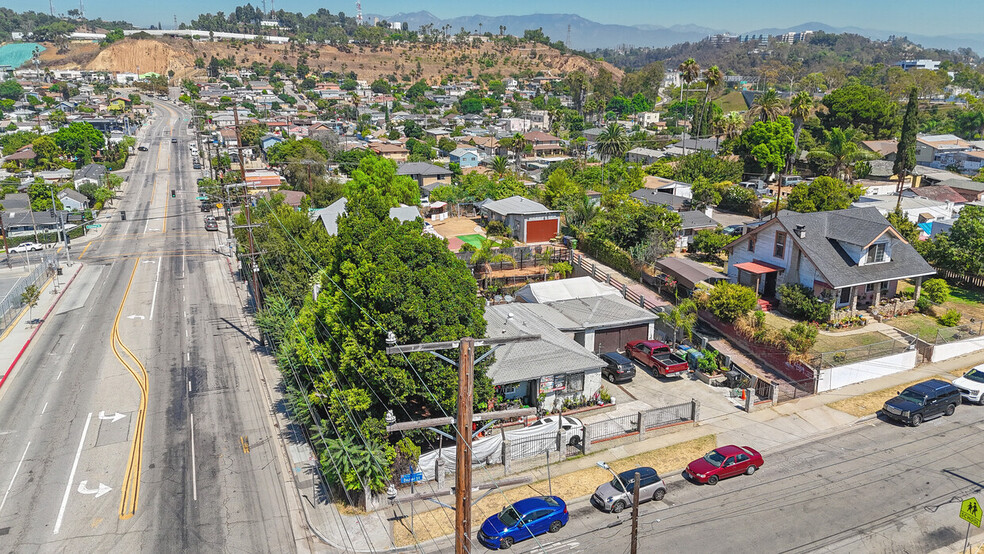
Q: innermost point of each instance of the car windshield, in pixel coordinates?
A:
(509, 516)
(617, 485)
(714, 458)
(975, 375)
(913, 397)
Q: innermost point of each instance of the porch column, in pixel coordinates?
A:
(919, 281)
(854, 300)
(877, 293)
(758, 284)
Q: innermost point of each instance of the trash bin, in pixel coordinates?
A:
(122, 215)
(59, 270)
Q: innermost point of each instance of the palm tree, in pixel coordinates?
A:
(800, 109)
(500, 165)
(486, 256)
(712, 78)
(612, 142)
(689, 72)
(732, 125)
(579, 213)
(683, 317)
(841, 151)
(767, 106)
(519, 146)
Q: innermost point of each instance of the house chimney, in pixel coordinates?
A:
(800, 231)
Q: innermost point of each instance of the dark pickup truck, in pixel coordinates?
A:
(657, 356)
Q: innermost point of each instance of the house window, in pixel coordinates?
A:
(575, 382)
(511, 388)
(560, 382)
(870, 287)
(751, 244)
(883, 287)
(780, 249)
(845, 296)
(876, 253)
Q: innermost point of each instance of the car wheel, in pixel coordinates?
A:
(618, 507)
(555, 526)
(575, 441)
(750, 470)
(712, 480)
(505, 543)
(659, 494)
(611, 378)
(916, 420)
(950, 408)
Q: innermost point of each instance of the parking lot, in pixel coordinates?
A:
(648, 390)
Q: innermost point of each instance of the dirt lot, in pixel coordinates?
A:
(454, 226)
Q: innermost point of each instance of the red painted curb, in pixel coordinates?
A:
(29, 339)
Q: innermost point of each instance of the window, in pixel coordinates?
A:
(511, 388)
(560, 382)
(876, 253)
(883, 286)
(870, 287)
(845, 295)
(751, 244)
(780, 249)
(575, 382)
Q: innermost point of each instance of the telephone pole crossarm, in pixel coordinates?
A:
(448, 345)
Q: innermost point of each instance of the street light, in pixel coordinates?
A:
(603, 465)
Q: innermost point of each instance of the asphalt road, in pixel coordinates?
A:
(126, 425)
(876, 487)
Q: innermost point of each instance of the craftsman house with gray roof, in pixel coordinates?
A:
(853, 256)
(428, 176)
(529, 220)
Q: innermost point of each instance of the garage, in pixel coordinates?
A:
(611, 340)
(542, 230)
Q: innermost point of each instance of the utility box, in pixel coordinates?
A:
(122, 215)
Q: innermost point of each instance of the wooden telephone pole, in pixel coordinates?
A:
(635, 514)
(465, 418)
(254, 268)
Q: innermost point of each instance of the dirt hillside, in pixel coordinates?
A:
(415, 61)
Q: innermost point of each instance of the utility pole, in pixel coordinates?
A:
(635, 515)
(254, 267)
(463, 449)
(5, 248)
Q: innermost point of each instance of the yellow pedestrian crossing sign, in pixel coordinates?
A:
(970, 510)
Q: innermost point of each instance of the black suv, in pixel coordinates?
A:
(619, 367)
(923, 401)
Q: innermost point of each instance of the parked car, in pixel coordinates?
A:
(206, 206)
(196, 165)
(724, 462)
(657, 356)
(923, 401)
(523, 520)
(616, 495)
(791, 180)
(27, 247)
(734, 230)
(619, 367)
(571, 427)
(211, 224)
(971, 385)
(142, 148)
(174, 141)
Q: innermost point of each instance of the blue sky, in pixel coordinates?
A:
(903, 16)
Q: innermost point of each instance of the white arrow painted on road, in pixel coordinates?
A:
(134, 316)
(103, 489)
(148, 262)
(114, 417)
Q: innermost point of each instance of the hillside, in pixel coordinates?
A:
(430, 62)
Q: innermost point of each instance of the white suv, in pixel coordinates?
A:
(971, 385)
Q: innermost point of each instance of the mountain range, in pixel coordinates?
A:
(591, 35)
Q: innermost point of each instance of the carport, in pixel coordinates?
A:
(688, 272)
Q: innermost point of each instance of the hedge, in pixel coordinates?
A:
(608, 253)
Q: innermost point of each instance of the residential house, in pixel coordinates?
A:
(258, 180)
(917, 209)
(73, 200)
(687, 273)
(640, 155)
(293, 198)
(267, 141)
(655, 198)
(529, 220)
(884, 149)
(970, 190)
(691, 222)
(669, 186)
(854, 256)
(428, 176)
(938, 150)
(229, 137)
(544, 145)
(464, 157)
(54, 175)
(391, 151)
(329, 215)
(91, 173)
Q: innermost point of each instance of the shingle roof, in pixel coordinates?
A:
(696, 220)
(601, 311)
(853, 226)
(554, 353)
(687, 271)
(422, 168)
(329, 216)
(656, 198)
(91, 171)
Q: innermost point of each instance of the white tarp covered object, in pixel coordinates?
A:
(524, 443)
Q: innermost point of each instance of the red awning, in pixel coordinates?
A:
(758, 268)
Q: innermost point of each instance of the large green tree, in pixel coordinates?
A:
(823, 194)
(860, 106)
(767, 144)
(961, 249)
(80, 140)
(905, 154)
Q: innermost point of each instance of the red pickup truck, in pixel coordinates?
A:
(657, 356)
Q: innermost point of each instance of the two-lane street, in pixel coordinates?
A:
(123, 426)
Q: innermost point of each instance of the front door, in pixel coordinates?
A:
(770, 285)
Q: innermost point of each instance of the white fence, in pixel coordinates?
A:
(841, 376)
(945, 351)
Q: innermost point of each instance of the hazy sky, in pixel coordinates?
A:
(901, 16)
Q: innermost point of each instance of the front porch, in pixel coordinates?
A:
(879, 300)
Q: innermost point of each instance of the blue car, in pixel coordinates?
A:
(523, 520)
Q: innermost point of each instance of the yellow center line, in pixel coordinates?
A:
(130, 491)
(84, 249)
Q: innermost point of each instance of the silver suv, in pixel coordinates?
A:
(616, 495)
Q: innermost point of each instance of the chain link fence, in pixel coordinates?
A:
(12, 302)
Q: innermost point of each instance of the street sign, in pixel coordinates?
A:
(201, 198)
(970, 511)
(219, 205)
(411, 477)
(95, 226)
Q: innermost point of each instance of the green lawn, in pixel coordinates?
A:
(474, 240)
(731, 102)
(829, 343)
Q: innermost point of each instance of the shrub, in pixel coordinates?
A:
(800, 337)
(497, 229)
(609, 253)
(923, 304)
(467, 247)
(937, 290)
(708, 361)
(729, 301)
(950, 319)
(604, 395)
(564, 268)
(798, 301)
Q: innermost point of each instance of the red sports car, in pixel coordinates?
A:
(724, 462)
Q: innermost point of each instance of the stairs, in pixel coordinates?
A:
(765, 305)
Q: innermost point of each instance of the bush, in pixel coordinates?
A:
(708, 361)
(729, 301)
(923, 305)
(800, 337)
(798, 301)
(608, 253)
(937, 290)
(467, 247)
(497, 229)
(950, 319)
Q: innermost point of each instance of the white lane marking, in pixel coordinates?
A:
(59, 376)
(72, 349)
(153, 301)
(44, 408)
(189, 386)
(11, 485)
(188, 356)
(186, 333)
(194, 475)
(71, 476)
